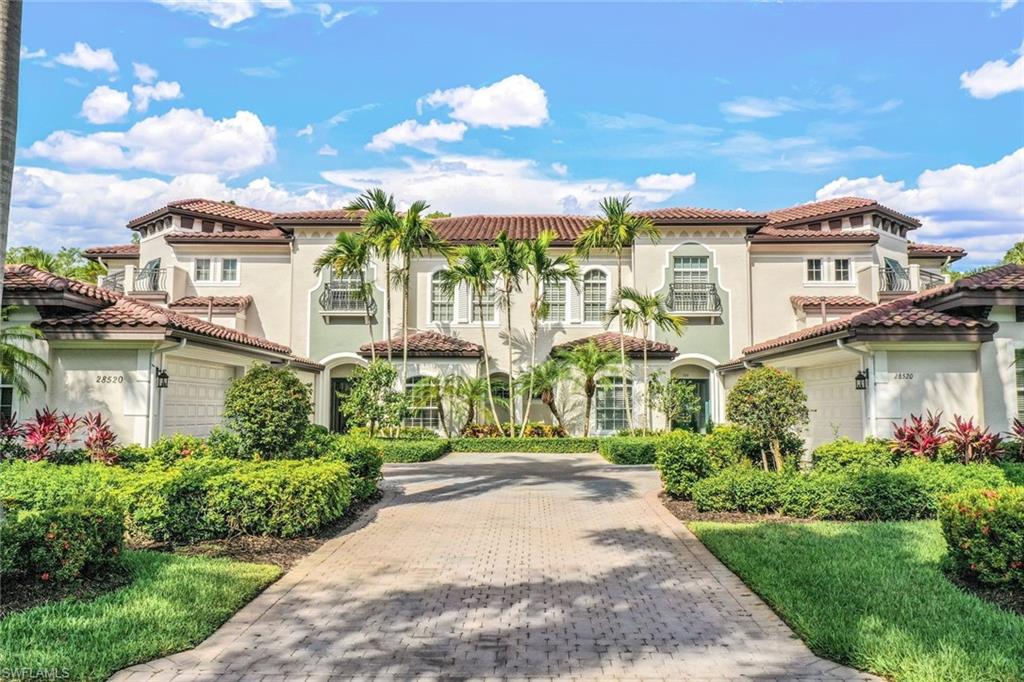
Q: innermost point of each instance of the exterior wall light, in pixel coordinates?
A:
(162, 378)
(861, 380)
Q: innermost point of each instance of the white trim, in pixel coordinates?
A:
(567, 318)
(430, 300)
(217, 271)
(828, 272)
(322, 401)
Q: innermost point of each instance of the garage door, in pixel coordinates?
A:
(834, 401)
(194, 397)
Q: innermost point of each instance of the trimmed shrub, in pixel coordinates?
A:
(682, 459)
(533, 430)
(408, 451)
(269, 409)
(1014, 472)
(628, 450)
(938, 479)
(741, 488)
(364, 457)
(728, 445)
(547, 445)
(772, 405)
(985, 533)
(172, 449)
(849, 455)
(226, 444)
(416, 433)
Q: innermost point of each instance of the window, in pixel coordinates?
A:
(595, 296)
(815, 271)
(835, 224)
(187, 223)
(226, 227)
(217, 270)
(554, 297)
(841, 268)
(1019, 365)
(229, 270)
(856, 220)
(686, 269)
(442, 306)
(489, 305)
(424, 414)
(610, 405)
(6, 398)
(207, 226)
(204, 270)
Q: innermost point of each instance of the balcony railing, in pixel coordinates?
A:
(930, 280)
(150, 280)
(114, 282)
(894, 280)
(337, 297)
(694, 297)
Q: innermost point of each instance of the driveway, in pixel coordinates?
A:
(507, 566)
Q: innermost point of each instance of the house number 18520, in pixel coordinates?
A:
(904, 376)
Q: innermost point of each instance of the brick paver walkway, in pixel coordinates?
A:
(506, 566)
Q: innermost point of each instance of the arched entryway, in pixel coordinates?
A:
(698, 372)
(337, 382)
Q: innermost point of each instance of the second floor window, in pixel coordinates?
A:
(841, 267)
(686, 269)
(442, 306)
(217, 270)
(204, 270)
(595, 296)
(554, 297)
(229, 270)
(815, 271)
(489, 304)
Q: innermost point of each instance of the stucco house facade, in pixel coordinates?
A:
(741, 279)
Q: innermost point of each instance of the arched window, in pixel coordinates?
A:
(555, 298)
(442, 305)
(423, 414)
(610, 404)
(595, 296)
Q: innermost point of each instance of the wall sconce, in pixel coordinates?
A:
(861, 380)
(162, 378)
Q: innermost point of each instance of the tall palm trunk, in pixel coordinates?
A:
(387, 303)
(487, 362)
(511, 379)
(588, 391)
(533, 360)
(10, 57)
(369, 318)
(405, 320)
(548, 398)
(647, 388)
(440, 415)
(622, 349)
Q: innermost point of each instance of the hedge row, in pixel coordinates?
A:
(911, 490)
(629, 449)
(985, 533)
(551, 445)
(408, 451)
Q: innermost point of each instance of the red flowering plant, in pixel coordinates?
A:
(99, 439)
(972, 443)
(11, 433)
(1013, 447)
(921, 437)
(49, 436)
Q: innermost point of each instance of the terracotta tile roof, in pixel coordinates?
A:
(830, 207)
(1002, 278)
(333, 215)
(306, 363)
(830, 301)
(272, 235)
(915, 250)
(427, 344)
(120, 312)
(793, 235)
(691, 214)
(114, 251)
(234, 302)
(634, 345)
(482, 228)
(205, 208)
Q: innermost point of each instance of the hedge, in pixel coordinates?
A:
(409, 451)
(628, 449)
(548, 445)
(847, 455)
(364, 457)
(909, 491)
(984, 530)
(682, 460)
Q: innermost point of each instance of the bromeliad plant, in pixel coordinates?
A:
(971, 442)
(11, 433)
(921, 437)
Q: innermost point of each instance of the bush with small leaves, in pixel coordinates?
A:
(849, 455)
(629, 450)
(682, 459)
(772, 405)
(269, 409)
(984, 530)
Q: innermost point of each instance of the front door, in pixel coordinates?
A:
(699, 420)
(339, 390)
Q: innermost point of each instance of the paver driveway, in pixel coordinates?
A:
(507, 566)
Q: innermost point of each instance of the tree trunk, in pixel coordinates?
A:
(647, 388)
(586, 413)
(549, 400)
(777, 454)
(369, 318)
(470, 415)
(10, 58)
(405, 322)
(533, 357)
(487, 362)
(440, 414)
(511, 379)
(622, 347)
(387, 303)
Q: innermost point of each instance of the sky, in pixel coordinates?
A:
(531, 108)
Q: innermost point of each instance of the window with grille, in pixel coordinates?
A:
(6, 398)
(815, 271)
(595, 296)
(842, 269)
(424, 413)
(442, 305)
(555, 298)
(610, 405)
(490, 299)
(345, 294)
(229, 270)
(687, 269)
(204, 270)
(1019, 366)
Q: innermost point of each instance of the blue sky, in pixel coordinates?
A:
(521, 108)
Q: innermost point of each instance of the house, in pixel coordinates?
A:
(739, 278)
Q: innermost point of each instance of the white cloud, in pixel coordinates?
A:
(89, 209)
(105, 105)
(227, 13)
(415, 134)
(345, 114)
(673, 182)
(837, 98)
(886, 106)
(306, 131)
(758, 107)
(327, 150)
(161, 90)
(27, 54)
(144, 72)
(979, 207)
(85, 57)
(328, 17)
(560, 169)
(799, 154)
(995, 78)
(180, 141)
(477, 184)
(1007, 5)
(511, 102)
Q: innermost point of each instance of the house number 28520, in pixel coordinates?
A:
(109, 379)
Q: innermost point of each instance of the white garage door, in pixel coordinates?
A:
(835, 403)
(194, 397)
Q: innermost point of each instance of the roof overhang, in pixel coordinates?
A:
(202, 215)
(979, 298)
(52, 298)
(870, 208)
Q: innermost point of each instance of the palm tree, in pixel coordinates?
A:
(350, 255)
(638, 311)
(18, 364)
(616, 231)
(542, 380)
(10, 60)
(473, 266)
(380, 226)
(510, 264)
(432, 392)
(590, 363)
(543, 270)
(471, 393)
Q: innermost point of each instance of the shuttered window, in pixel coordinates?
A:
(555, 298)
(595, 296)
(1019, 366)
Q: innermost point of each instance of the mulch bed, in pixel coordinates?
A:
(685, 510)
(1008, 598)
(24, 595)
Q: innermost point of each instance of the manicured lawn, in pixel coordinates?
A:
(172, 603)
(872, 595)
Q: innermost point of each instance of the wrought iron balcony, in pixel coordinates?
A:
(694, 297)
(114, 282)
(339, 297)
(894, 280)
(930, 280)
(150, 280)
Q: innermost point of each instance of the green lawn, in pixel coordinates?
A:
(172, 603)
(872, 595)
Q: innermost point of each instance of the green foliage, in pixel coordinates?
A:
(532, 430)
(18, 364)
(629, 450)
(269, 408)
(682, 459)
(728, 445)
(67, 262)
(677, 400)
(741, 488)
(846, 455)
(1014, 472)
(939, 479)
(985, 533)
(224, 443)
(364, 457)
(372, 400)
(772, 404)
(174, 448)
(547, 445)
(406, 451)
